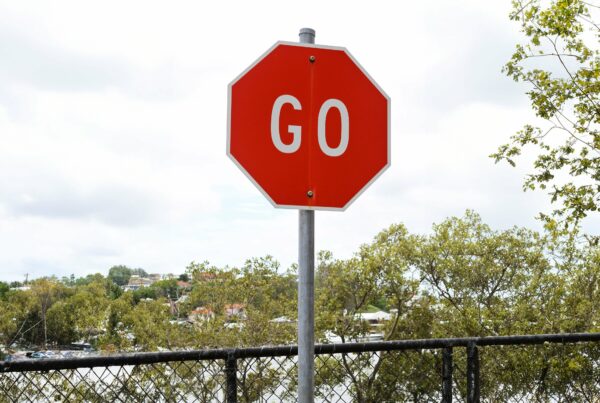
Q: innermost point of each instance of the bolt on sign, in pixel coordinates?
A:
(308, 126)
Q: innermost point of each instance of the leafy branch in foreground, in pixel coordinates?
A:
(561, 64)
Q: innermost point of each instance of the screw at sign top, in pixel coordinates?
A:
(309, 193)
(307, 35)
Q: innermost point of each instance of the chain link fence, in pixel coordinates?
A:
(537, 368)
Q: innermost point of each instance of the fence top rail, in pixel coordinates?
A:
(291, 350)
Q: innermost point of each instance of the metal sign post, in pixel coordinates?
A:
(306, 289)
(306, 306)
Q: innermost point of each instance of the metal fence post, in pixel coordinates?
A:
(472, 373)
(231, 379)
(447, 375)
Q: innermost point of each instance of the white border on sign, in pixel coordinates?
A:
(389, 127)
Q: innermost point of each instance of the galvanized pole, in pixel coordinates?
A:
(306, 288)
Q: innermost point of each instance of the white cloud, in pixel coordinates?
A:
(112, 128)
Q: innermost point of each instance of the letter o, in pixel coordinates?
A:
(345, 127)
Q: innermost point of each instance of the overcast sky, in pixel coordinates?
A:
(113, 128)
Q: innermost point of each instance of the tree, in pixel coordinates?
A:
(263, 293)
(139, 272)
(150, 324)
(12, 316)
(166, 288)
(19, 317)
(463, 279)
(4, 288)
(46, 292)
(115, 337)
(119, 274)
(61, 323)
(201, 271)
(89, 307)
(560, 62)
(381, 272)
(90, 278)
(514, 281)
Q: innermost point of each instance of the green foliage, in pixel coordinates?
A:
(11, 316)
(46, 291)
(560, 62)
(379, 272)
(201, 271)
(61, 323)
(264, 294)
(144, 293)
(166, 288)
(119, 274)
(481, 276)
(149, 323)
(90, 278)
(462, 279)
(4, 288)
(115, 336)
(139, 272)
(160, 289)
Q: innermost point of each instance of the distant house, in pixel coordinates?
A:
(155, 277)
(234, 325)
(201, 314)
(376, 321)
(374, 318)
(136, 282)
(183, 284)
(235, 311)
(282, 319)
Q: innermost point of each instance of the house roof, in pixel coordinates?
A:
(282, 319)
(379, 315)
(235, 306)
(202, 311)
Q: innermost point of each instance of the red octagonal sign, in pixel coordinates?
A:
(308, 126)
